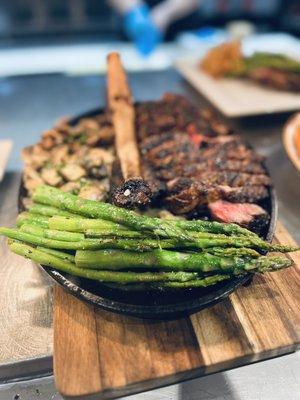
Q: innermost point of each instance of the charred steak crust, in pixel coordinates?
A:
(134, 192)
(198, 160)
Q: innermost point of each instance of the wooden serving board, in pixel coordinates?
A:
(97, 352)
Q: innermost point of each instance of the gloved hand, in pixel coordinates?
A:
(141, 30)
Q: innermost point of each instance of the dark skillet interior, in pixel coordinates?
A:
(159, 304)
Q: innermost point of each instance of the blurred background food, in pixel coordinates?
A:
(270, 69)
(72, 35)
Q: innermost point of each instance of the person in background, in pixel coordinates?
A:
(146, 27)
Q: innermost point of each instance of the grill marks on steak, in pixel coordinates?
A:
(223, 168)
(175, 113)
(202, 193)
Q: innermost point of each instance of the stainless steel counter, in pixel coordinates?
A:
(29, 105)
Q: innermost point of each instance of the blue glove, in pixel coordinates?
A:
(141, 30)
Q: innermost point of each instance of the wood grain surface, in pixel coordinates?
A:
(97, 352)
(26, 296)
(228, 95)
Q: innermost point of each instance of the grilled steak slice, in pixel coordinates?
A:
(200, 194)
(244, 214)
(174, 113)
(169, 147)
(189, 164)
(212, 176)
(151, 142)
(244, 194)
(196, 159)
(233, 178)
(187, 199)
(235, 150)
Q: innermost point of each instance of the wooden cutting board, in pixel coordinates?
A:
(97, 352)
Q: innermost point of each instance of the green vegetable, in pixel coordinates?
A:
(83, 224)
(121, 247)
(52, 234)
(212, 227)
(50, 260)
(203, 263)
(49, 211)
(65, 201)
(57, 253)
(269, 60)
(116, 233)
(35, 219)
(143, 244)
(197, 283)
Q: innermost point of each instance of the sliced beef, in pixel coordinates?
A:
(244, 194)
(245, 214)
(201, 194)
(234, 149)
(174, 113)
(194, 160)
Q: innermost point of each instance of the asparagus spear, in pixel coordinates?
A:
(86, 244)
(231, 251)
(197, 283)
(200, 239)
(103, 276)
(212, 227)
(177, 261)
(156, 259)
(57, 253)
(39, 220)
(143, 244)
(83, 224)
(52, 234)
(102, 228)
(49, 211)
(54, 197)
(197, 226)
(116, 233)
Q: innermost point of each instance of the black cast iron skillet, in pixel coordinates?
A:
(165, 304)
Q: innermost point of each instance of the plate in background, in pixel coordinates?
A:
(237, 97)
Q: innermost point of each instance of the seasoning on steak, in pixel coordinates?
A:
(244, 214)
(197, 168)
(175, 113)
